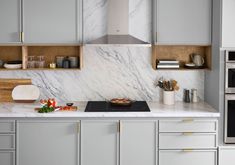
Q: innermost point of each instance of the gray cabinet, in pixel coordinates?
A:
(51, 21)
(10, 21)
(138, 143)
(227, 155)
(183, 22)
(48, 143)
(99, 142)
(228, 25)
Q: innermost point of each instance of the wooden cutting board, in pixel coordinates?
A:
(7, 85)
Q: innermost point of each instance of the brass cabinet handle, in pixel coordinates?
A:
(187, 133)
(187, 150)
(78, 127)
(187, 120)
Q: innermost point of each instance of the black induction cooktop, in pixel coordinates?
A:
(103, 106)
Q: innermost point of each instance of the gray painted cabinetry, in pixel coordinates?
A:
(184, 22)
(10, 21)
(118, 142)
(51, 21)
(48, 143)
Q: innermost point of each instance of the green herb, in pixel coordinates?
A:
(46, 109)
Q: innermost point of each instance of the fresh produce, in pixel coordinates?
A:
(48, 106)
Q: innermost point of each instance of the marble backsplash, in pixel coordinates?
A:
(110, 71)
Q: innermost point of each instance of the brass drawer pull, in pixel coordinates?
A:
(187, 150)
(187, 120)
(187, 133)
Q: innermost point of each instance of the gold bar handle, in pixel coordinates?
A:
(22, 36)
(187, 120)
(119, 126)
(78, 127)
(187, 133)
(187, 150)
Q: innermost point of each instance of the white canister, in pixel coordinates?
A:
(169, 97)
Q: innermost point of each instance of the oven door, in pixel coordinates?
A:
(229, 116)
(230, 56)
(230, 78)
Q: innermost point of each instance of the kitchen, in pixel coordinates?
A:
(109, 68)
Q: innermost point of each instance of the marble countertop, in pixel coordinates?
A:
(180, 109)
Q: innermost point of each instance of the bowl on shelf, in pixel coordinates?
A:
(13, 65)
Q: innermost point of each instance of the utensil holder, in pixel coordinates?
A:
(169, 97)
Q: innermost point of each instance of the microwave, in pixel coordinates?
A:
(229, 118)
(230, 77)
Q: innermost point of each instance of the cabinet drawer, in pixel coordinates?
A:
(187, 125)
(7, 126)
(187, 140)
(195, 157)
(7, 141)
(7, 157)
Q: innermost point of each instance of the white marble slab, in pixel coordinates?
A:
(158, 110)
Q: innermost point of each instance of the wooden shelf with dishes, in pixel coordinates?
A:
(41, 57)
(182, 54)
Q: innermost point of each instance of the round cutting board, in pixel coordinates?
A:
(25, 93)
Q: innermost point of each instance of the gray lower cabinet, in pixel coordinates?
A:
(7, 157)
(10, 22)
(227, 155)
(138, 142)
(51, 21)
(48, 143)
(186, 22)
(186, 157)
(99, 142)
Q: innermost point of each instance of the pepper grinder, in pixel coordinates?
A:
(186, 96)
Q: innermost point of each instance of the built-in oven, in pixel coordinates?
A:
(230, 77)
(229, 131)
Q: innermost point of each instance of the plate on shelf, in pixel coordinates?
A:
(194, 67)
(13, 65)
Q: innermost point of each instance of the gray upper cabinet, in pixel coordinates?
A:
(228, 25)
(51, 21)
(138, 143)
(99, 142)
(183, 22)
(48, 143)
(10, 22)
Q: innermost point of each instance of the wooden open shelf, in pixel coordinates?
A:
(180, 53)
(9, 53)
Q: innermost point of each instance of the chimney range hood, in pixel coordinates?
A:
(118, 26)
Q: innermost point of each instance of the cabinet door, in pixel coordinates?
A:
(47, 143)
(50, 21)
(7, 157)
(228, 25)
(184, 22)
(179, 157)
(99, 143)
(138, 143)
(227, 156)
(10, 21)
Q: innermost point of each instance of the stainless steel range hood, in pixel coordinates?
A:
(118, 26)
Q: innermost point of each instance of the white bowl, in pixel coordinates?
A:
(12, 66)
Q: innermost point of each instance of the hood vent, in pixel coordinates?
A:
(118, 26)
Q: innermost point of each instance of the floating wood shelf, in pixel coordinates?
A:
(180, 53)
(11, 53)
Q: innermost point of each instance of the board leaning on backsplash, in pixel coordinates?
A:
(111, 71)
